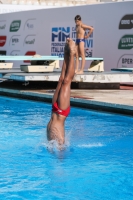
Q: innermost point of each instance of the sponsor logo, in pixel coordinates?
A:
(126, 42)
(126, 22)
(2, 53)
(58, 40)
(14, 40)
(15, 53)
(29, 24)
(60, 34)
(125, 61)
(29, 53)
(15, 25)
(2, 41)
(2, 25)
(29, 40)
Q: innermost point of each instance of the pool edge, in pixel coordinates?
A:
(77, 102)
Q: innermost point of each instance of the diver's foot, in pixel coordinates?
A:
(80, 72)
(72, 46)
(76, 70)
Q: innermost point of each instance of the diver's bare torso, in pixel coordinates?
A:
(80, 32)
(55, 128)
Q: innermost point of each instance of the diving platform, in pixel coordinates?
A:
(122, 69)
(50, 71)
(38, 63)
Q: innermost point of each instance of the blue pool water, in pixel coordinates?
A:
(97, 163)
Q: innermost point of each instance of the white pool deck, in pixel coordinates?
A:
(88, 77)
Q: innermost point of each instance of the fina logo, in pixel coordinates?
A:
(15, 53)
(60, 34)
(30, 26)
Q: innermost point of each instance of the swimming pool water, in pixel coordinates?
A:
(97, 163)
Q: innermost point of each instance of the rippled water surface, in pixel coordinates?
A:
(97, 163)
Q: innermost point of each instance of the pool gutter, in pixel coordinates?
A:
(78, 102)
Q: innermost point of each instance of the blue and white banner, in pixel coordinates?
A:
(59, 34)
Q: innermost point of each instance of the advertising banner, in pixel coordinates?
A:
(45, 31)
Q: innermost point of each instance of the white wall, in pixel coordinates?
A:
(35, 31)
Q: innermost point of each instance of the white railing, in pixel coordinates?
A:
(55, 3)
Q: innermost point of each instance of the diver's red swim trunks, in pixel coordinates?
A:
(56, 109)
